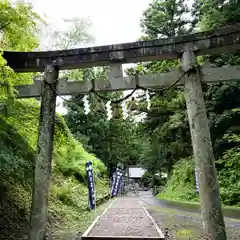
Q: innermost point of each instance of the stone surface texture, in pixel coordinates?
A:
(126, 217)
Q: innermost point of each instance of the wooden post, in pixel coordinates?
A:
(213, 222)
(43, 164)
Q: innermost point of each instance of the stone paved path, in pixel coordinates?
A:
(125, 217)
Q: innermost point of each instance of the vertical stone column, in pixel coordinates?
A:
(213, 222)
(43, 164)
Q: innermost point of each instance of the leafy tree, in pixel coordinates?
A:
(166, 18)
(18, 31)
(210, 17)
(221, 99)
(166, 121)
(113, 141)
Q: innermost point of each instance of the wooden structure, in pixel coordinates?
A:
(135, 172)
(185, 48)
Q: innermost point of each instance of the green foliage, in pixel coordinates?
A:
(166, 124)
(18, 138)
(70, 156)
(211, 17)
(19, 130)
(18, 31)
(146, 178)
(18, 25)
(167, 127)
(181, 185)
(112, 141)
(166, 18)
(150, 179)
(15, 160)
(161, 143)
(63, 194)
(229, 175)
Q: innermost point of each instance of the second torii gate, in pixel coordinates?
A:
(186, 48)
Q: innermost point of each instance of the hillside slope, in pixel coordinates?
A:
(181, 186)
(68, 200)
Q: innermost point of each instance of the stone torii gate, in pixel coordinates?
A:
(186, 48)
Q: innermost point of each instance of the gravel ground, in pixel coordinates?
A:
(126, 217)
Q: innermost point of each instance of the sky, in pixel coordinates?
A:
(113, 21)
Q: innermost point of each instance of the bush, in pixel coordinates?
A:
(229, 176)
(63, 194)
(181, 185)
(146, 178)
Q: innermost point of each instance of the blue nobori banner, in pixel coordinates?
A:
(91, 192)
(196, 180)
(117, 182)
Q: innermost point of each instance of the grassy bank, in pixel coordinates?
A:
(68, 199)
(181, 186)
(191, 203)
(228, 211)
